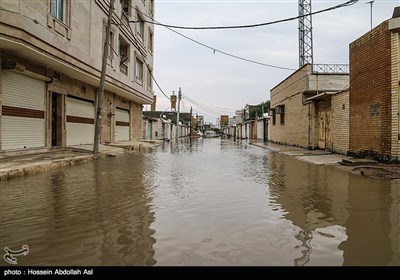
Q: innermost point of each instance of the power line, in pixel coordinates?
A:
(232, 55)
(222, 52)
(346, 4)
(210, 111)
(219, 108)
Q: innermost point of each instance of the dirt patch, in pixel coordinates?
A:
(389, 172)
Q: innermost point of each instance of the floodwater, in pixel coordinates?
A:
(216, 202)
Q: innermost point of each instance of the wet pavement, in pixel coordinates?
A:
(214, 202)
(25, 162)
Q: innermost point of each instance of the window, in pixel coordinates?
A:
(139, 71)
(111, 45)
(123, 55)
(273, 116)
(58, 9)
(281, 110)
(140, 26)
(111, 42)
(150, 41)
(125, 10)
(150, 80)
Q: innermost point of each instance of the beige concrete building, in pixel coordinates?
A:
(51, 55)
(303, 107)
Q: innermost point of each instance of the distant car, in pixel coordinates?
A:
(199, 133)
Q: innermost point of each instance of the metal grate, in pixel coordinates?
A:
(331, 68)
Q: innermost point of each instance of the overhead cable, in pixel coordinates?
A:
(346, 4)
(223, 52)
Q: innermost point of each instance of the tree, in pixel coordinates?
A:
(258, 110)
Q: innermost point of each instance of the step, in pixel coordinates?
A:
(357, 161)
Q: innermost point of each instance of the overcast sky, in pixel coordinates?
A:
(222, 82)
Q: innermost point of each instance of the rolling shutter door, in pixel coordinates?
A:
(80, 121)
(23, 111)
(122, 125)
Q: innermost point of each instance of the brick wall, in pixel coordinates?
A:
(288, 93)
(340, 122)
(370, 98)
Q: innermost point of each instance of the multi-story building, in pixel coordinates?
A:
(374, 91)
(51, 57)
(308, 108)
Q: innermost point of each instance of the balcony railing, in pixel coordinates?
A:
(331, 68)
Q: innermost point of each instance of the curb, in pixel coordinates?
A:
(42, 167)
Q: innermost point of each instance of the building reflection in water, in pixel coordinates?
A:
(353, 219)
(97, 214)
(373, 226)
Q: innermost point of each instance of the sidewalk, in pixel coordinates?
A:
(362, 167)
(19, 163)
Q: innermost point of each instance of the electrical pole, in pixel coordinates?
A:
(190, 127)
(100, 91)
(371, 2)
(177, 117)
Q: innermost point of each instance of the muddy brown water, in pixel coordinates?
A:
(216, 202)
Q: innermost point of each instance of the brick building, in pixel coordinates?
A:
(309, 108)
(374, 92)
(51, 55)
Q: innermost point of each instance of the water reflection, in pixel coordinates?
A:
(343, 219)
(373, 231)
(88, 215)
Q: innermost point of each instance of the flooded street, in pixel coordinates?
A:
(215, 203)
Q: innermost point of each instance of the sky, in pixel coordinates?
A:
(215, 84)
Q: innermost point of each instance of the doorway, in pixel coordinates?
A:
(324, 125)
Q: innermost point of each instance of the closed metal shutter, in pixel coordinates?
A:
(80, 121)
(23, 111)
(121, 125)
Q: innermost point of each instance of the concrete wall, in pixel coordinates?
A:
(108, 118)
(136, 121)
(370, 93)
(320, 82)
(260, 129)
(395, 89)
(340, 122)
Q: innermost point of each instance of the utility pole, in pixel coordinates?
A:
(177, 117)
(190, 127)
(100, 91)
(371, 2)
